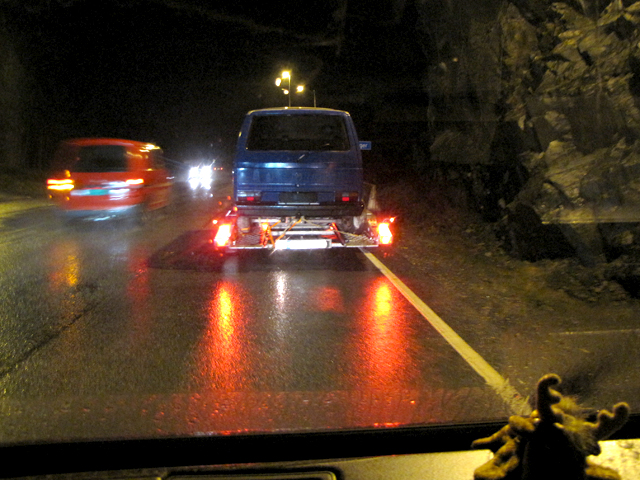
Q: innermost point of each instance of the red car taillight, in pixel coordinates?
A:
(65, 184)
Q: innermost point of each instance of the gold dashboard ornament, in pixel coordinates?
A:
(552, 443)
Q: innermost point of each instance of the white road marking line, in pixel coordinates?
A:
(600, 332)
(516, 403)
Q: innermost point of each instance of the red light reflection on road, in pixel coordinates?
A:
(65, 276)
(384, 361)
(329, 299)
(221, 357)
(221, 366)
(139, 292)
(66, 266)
(64, 279)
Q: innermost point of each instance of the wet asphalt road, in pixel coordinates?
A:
(111, 329)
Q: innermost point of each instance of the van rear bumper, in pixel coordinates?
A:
(330, 210)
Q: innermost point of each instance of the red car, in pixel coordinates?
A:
(106, 177)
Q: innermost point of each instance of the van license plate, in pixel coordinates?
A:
(303, 244)
(298, 198)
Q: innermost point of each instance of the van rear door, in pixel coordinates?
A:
(306, 157)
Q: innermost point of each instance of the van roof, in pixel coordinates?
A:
(298, 110)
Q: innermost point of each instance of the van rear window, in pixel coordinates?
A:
(298, 132)
(101, 158)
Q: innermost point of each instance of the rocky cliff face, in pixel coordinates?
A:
(581, 107)
(568, 76)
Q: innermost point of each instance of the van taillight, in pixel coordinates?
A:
(249, 197)
(347, 197)
(223, 235)
(384, 234)
(65, 184)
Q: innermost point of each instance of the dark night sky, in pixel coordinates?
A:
(182, 73)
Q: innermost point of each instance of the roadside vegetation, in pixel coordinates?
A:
(22, 182)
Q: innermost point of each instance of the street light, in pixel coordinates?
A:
(300, 89)
(286, 75)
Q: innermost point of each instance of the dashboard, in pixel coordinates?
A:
(420, 453)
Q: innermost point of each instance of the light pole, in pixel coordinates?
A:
(287, 75)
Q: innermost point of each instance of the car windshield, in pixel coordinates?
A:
(495, 238)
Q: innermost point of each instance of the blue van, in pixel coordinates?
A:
(295, 162)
